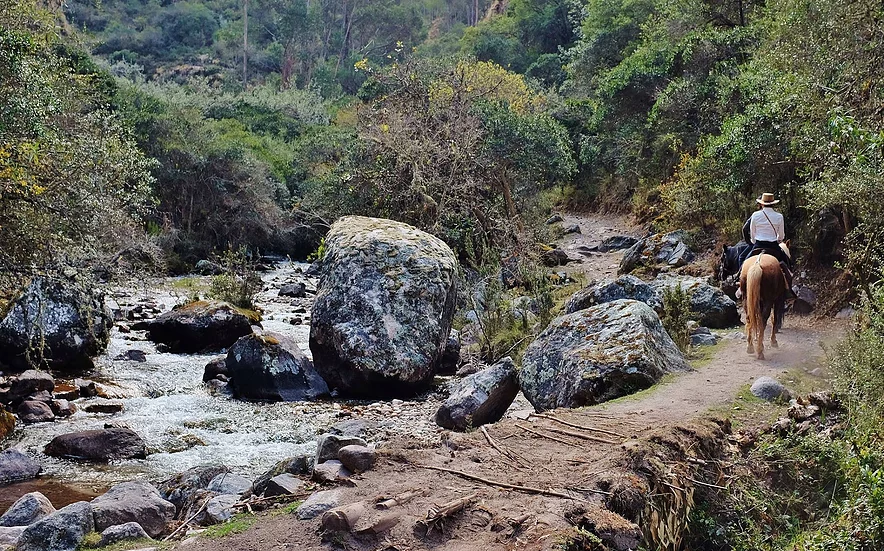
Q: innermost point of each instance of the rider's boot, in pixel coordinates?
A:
(787, 274)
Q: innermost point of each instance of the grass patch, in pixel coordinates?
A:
(667, 379)
(288, 509)
(91, 543)
(236, 525)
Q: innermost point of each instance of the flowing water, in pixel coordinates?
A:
(183, 423)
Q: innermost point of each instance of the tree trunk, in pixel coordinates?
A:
(245, 44)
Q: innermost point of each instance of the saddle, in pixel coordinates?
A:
(767, 250)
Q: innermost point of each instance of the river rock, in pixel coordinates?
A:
(284, 484)
(480, 398)
(220, 509)
(69, 323)
(27, 510)
(357, 458)
(9, 536)
(133, 502)
(16, 466)
(215, 368)
(62, 408)
(624, 287)
(451, 355)
(268, 366)
(768, 388)
(98, 445)
(200, 326)
(29, 383)
(86, 388)
(229, 483)
(331, 471)
(63, 530)
(657, 251)
(43, 396)
(7, 423)
(294, 290)
(102, 405)
(122, 532)
(598, 354)
(31, 411)
(178, 488)
(133, 355)
(301, 464)
(383, 308)
(616, 243)
(328, 446)
(318, 503)
(554, 257)
(709, 304)
(207, 267)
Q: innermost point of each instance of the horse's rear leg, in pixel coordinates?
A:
(760, 338)
(773, 327)
(750, 347)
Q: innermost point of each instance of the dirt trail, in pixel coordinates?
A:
(554, 461)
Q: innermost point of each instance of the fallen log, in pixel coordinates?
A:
(344, 518)
(438, 513)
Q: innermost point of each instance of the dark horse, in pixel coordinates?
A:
(763, 284)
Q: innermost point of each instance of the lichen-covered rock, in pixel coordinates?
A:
(180, 487)
(133, 502)
(598, 354)
(200, 326)
(480, 398)
(63, 530)
(624, 287)
(16, 465)
(229, 483)
(98, 445)
(383, 308)
(59, 322)
(122, 532)
(709, 304)
(271, 367)
(318, 503)
(656, 251)
(27, 510)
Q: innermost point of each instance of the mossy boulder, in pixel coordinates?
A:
(268, 366)
(201, 326)
(57, 323)
(598, 354)
(383, 309)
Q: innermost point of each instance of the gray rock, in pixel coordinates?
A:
(656, 251)
(122, 532)
(351, 427)
(43, 396)
(220, 508)
(709, 304)
(769, 389)
(554, 219)
(331, 471)
(845, 313)
(328, 445)
(102, 405)
(704, 339)
(200, 326)
(62, 408)
(598, 354)
(318, 503)
(98, 445)
(133, 502)
(86, 388)
(480, 398)
(268, 366)
(27, 510)
(357, 458)
(293, 465)
(9, 536)
(229, 483)
(63, 530)
(67, 323)
(573, 228)
(206, 267)
(180, 487)
(554, 257)
(616, 243)
(383, 309)
(284, 484)
(451, 355)
(294, 290)
(133, 355)
(15, 466)
(29, 383)
(31, 411)
(805, 300)
(607, 290)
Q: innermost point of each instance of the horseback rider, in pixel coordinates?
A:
(765, 229)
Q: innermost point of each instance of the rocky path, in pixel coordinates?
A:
(563, 471)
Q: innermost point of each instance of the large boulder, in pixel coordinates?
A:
(56, 322)
(657, 251)
(480, 398)
(16, 465)
(98, 445)
(271, 367)
(598, 354)
(27, 510)
(63, 530)
(384, 306)
(179, 488)
(32, 411)
(200, 326)
(133, 502)
(711, 307)
(607, 290)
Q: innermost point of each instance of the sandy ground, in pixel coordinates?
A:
(565, 464)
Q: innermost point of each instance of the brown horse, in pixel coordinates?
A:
(763, 284)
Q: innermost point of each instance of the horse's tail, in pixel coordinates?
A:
(754, 307)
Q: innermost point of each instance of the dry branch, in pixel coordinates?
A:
(582, 436)
(532, 431)
(526, 489)
(576, 426)
(400, 499)
(502, 452)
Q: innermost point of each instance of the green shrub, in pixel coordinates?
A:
(239, 284)
(677, 314)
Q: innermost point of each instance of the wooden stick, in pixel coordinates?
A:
(400, 499)
(593, 490)
(496, 447)
(701, 483)
(532, 431)
(188, 521)
(582, 436)
(575, 426)
(526, 489)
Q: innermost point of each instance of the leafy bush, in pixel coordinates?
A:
(240, 283)
(677, 314)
